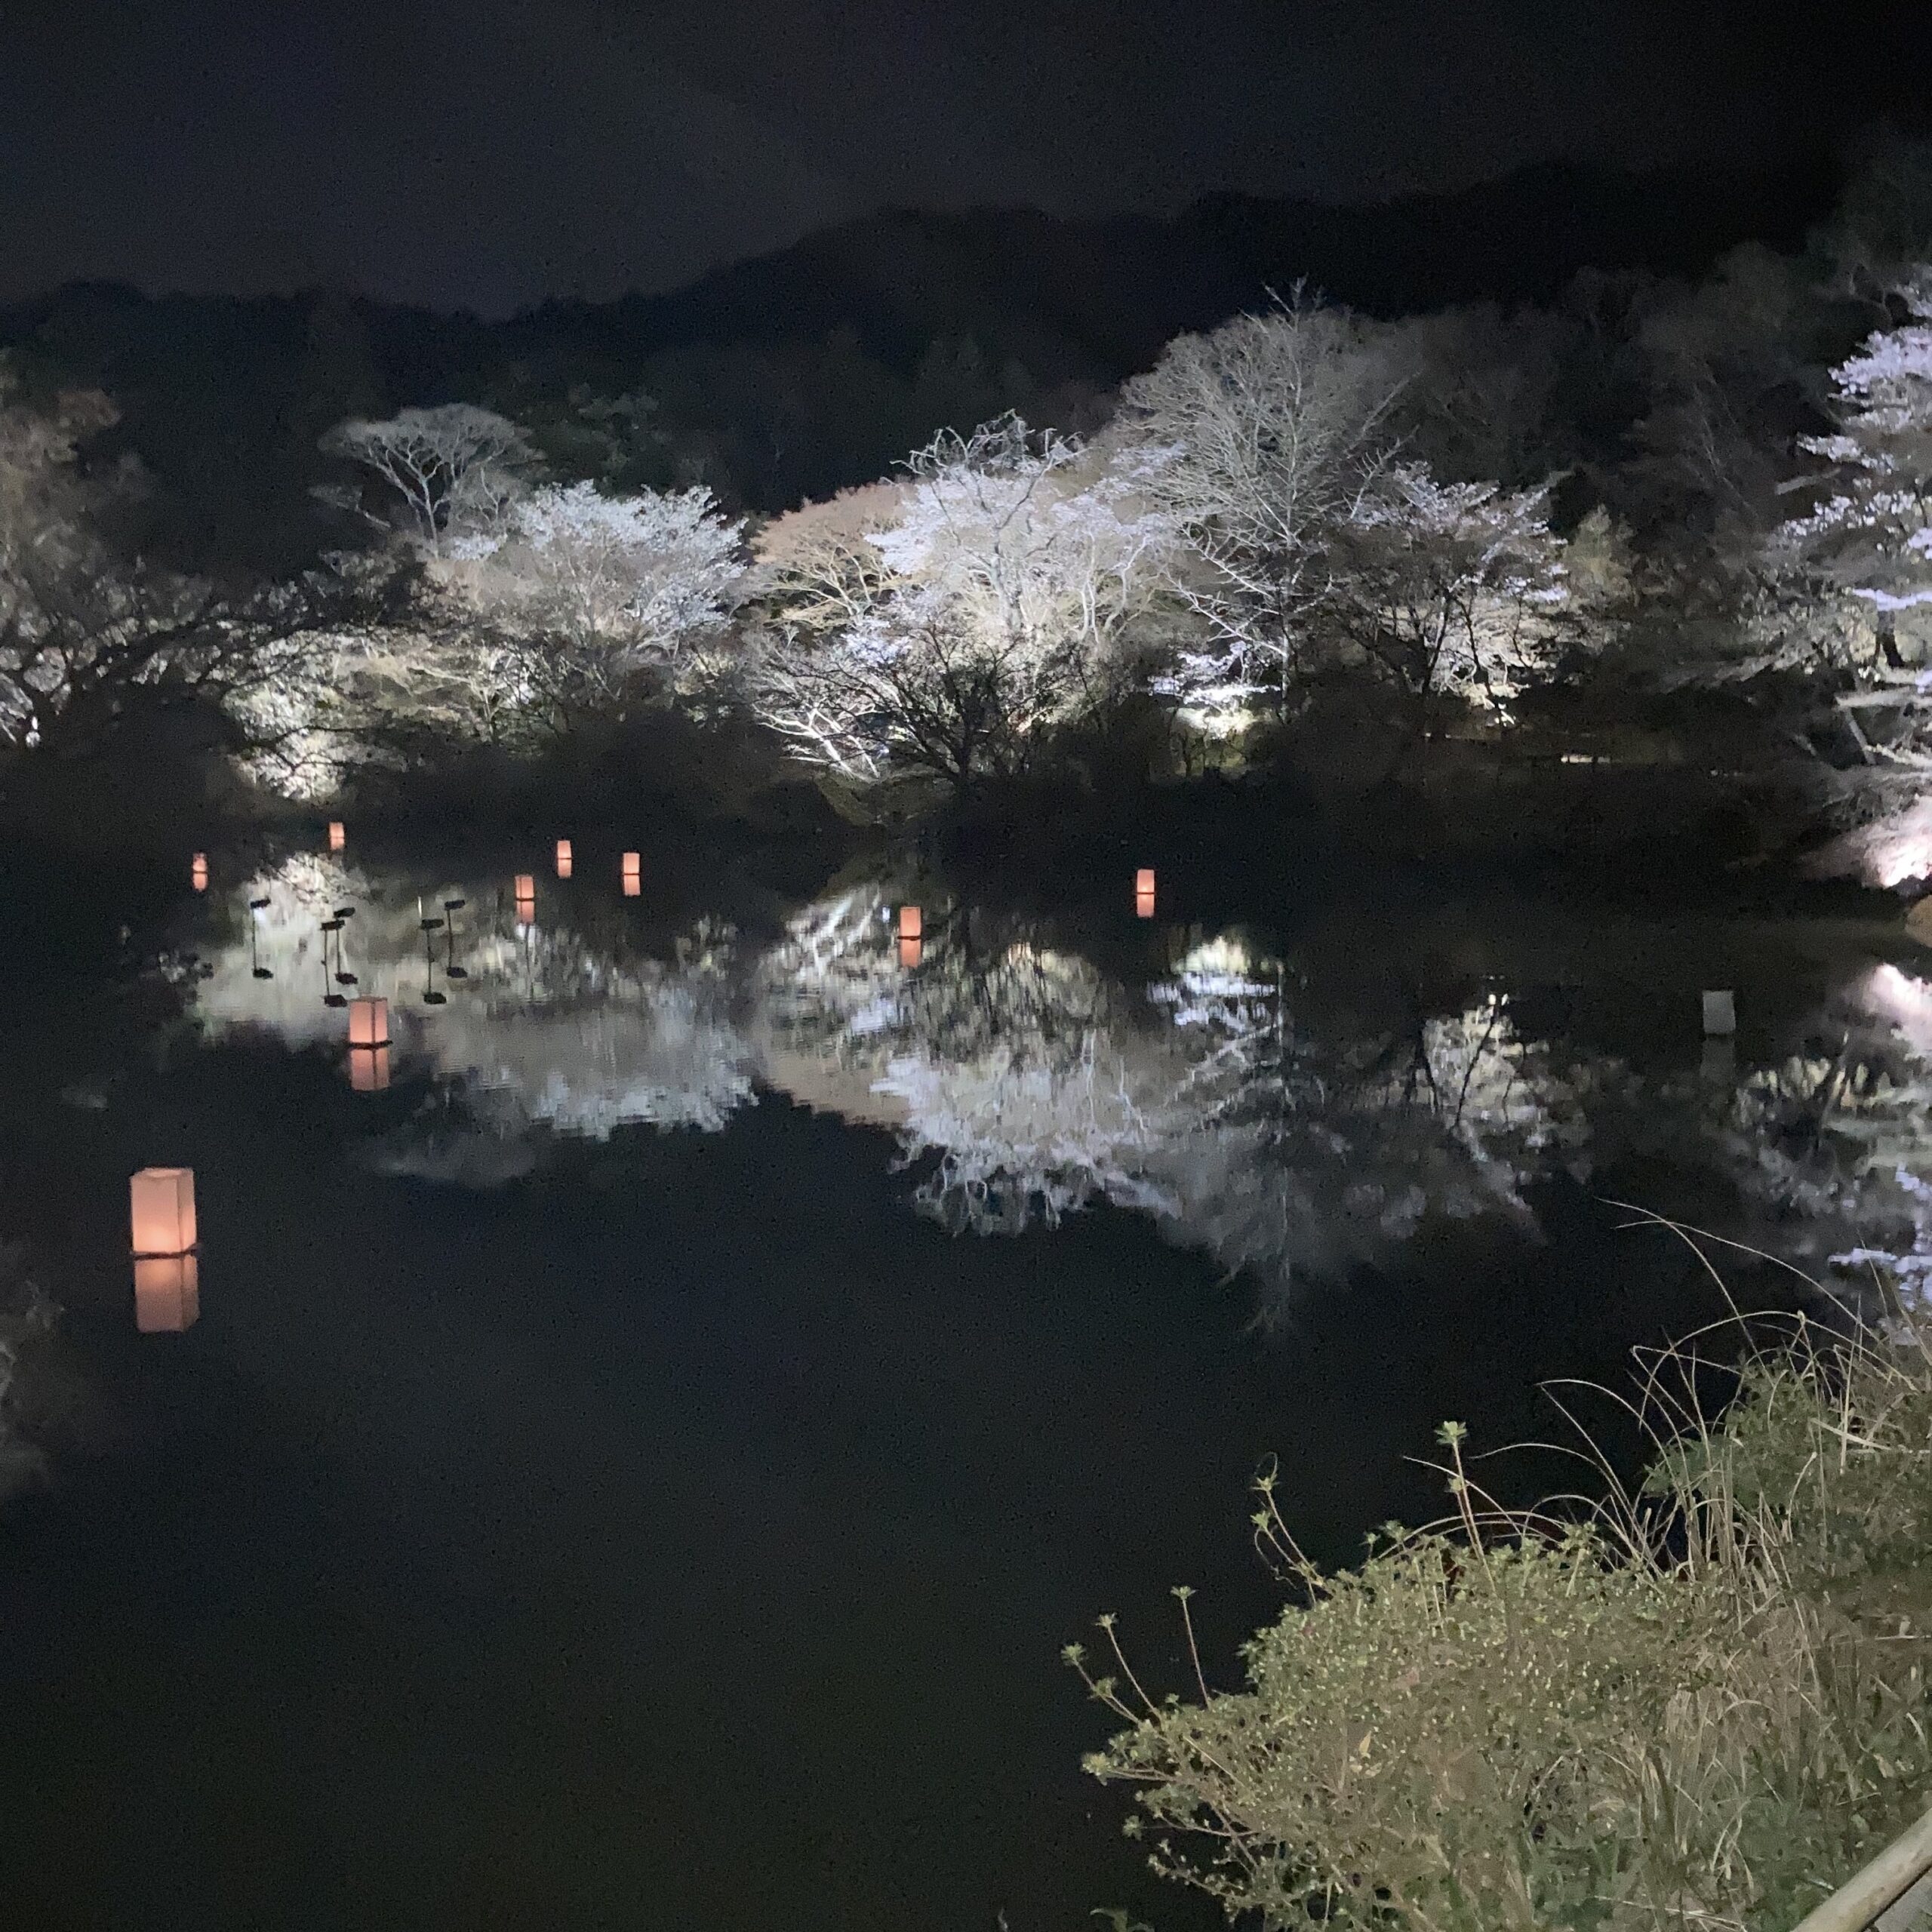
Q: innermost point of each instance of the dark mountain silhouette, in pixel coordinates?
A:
(799, 372)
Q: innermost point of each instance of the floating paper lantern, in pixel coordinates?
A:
(199, 872)
(909, 950)
(1720, 1013)
(564, 860)
(912, 922)
(338, 834)
(162, 1204)
(167, 1293)
(369, 1069)
(368, 1022)
(1143, 892)
(526, 886)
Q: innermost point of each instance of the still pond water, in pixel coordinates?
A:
(642, 1440)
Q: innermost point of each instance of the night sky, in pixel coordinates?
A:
(491, 154)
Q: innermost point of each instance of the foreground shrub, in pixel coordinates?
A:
(1704, 1703)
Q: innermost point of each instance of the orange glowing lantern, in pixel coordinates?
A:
(911, 923)
(167, 1293)
(338, 834)
(1143, 892)
(199, 872)
(564, 859)
(369, 1069)
(368, 1022)
(526, 886)
(161, 1203)
(909, 950)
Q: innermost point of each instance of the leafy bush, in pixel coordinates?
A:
(1701, 1703)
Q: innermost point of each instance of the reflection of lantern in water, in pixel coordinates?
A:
(564, 861)
(633, 871)
(338, 834)
(368, 1022)
(162, 1205)
(1143, 892)
(167, 1293)
(909, 950)
(912, 922)
(199, 872)
(369, 1069)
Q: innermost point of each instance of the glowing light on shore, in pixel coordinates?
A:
(161, 1210)
(369, 1022)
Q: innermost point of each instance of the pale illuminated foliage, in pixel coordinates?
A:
(990, 606)
(599, 594)
(1275, 425)
(452, 471)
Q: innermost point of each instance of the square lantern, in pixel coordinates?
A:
(1720, 1013)
(633, 885)
(909, 950)
(526, 886)
(338, 834)
(1143, 882)
(564, 861)
(199, 872)
(167, 1293)
(368, 1022)
(912, 922)
(369, 1069)
(161, 1201)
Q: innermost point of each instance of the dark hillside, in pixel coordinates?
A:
(798, 373)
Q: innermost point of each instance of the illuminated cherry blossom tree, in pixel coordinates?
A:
(602, 591)
(1273, 427)
(992, 607)
(454, 469)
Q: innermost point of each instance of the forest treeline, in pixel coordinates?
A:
(1653, 520)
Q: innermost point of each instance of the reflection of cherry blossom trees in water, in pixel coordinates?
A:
(1241, 1101)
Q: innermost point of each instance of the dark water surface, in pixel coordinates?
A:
(636, 1465)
